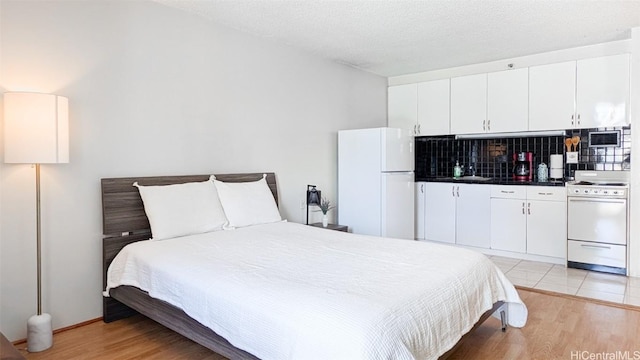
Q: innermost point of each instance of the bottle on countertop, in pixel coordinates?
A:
(457, 170)
(543, 172)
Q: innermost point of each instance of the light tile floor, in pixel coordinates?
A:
(557, 278)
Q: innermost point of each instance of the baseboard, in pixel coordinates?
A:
(57, 331)
(576, 297)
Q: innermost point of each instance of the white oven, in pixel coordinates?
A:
(597, 221)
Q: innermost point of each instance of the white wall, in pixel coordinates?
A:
(154, 91)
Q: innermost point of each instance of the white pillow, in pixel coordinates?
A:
(182, 209)
(248, 203)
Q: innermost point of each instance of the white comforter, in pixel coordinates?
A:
(290, 291)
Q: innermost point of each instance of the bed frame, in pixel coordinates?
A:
(125, 222)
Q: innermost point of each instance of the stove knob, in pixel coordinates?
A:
(615, 192)
(586, 191)
(576, 191)
(606, 192)
(595, 191)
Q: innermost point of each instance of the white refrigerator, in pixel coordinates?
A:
(375, 182)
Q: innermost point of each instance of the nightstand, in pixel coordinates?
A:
(337, 227)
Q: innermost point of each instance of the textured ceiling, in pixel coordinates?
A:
(399, 37)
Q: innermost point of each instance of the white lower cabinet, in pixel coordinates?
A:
(547, 221)
(421, 201)
(529, 219)
(508, 225)
(473, 215)
(513, 218)
(458, 213)
(440, 212)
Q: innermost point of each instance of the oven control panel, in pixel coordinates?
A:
(598, 191)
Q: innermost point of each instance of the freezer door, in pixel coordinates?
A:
(398, 205)
(397, 150)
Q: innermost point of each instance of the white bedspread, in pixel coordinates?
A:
(290, 291)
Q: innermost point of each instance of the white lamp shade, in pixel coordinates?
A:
(36, 128)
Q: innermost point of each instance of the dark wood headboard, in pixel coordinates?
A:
(122, 208)
(124, 220)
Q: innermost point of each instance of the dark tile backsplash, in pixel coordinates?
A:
(436, 155)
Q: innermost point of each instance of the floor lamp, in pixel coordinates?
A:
(36, 131)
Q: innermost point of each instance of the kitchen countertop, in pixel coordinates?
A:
(491, 181)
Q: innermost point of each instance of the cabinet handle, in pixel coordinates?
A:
(507, 192)
(578, 119)
(419, 130)
(458, 191)
(595, 247)
(523, 208)
(489, 125)
(414, 129)
(422, 188)
(529, 208)
(453, 191)
(572, 116)
(484, 122)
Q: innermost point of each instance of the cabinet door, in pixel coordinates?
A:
(397, 205)
(547, 228)
(403, 107)
(508, 100)
(469, 104)
(433, 107)
(509, 225)
(420, 210)
(440, 212)
(473, 215)
(602, 92)
(552, 93)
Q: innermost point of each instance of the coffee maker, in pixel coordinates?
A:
(523, 166)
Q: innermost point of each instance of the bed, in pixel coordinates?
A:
(307, 292)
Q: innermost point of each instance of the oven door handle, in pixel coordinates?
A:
(612, 201)
(595, 247)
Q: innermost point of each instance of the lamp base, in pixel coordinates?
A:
(39, 333)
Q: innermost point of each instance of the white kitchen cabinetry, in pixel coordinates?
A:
(529, 219)
(508, 100)
(473, 215)
(509, 218)
(403, 107)
(469, 104)
(579, 94)
(602, 91)
(488, 103)
(433, 108)
(547, 221)
(552, 93)
(421, 201)
(440, 212)
(458, 213)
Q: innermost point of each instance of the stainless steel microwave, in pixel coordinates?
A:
(604, 138)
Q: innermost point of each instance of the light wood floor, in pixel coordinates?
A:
(557, 325)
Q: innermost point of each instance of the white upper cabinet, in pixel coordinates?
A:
(403, 107)
(490, 103)
(588, 93)
(552, 93)
(433, 108)
(602, 96)
(508, 100)
(580, 94)
(469, 104)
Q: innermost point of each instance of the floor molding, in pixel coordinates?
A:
(66, 328)
(576, 297)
